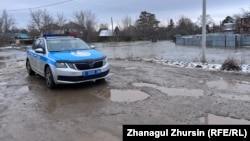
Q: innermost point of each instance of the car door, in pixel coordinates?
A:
(33, 58)
(42, 58)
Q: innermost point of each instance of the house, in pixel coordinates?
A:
(18, 36)
(229, 28)
(244, 27)
(71, 27)
(106, 33)
(51, 28)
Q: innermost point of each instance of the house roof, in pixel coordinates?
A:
(106, 33)
(18, 35)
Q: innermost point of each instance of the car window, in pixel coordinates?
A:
(42, 44)
(64, 44)
(36, 44)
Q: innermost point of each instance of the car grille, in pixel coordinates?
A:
(91, 65)
(82, 78)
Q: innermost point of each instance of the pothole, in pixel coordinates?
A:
(233, 86)
(127, 95)
(214, 119)
(173, 91)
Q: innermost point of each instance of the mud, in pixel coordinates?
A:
(136, 92)
(219, 120)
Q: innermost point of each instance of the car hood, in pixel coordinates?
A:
(76, 55)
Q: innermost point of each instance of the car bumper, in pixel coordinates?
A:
(70, 76)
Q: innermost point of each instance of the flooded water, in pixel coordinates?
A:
(94, 111)
(173, 91)
(169, 51)
(214, 119)
(127, 95)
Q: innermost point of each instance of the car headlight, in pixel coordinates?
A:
(105, 61)
(61, 65)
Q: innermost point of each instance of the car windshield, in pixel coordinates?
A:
(64, 44)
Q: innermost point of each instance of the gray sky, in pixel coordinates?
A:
(118, 9)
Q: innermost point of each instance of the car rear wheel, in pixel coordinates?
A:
(49, 78)
(29, 69)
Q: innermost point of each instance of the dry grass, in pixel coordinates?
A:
(230, 64)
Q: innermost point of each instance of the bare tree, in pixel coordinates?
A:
(126, 22)
(6, 22)
(61, 20)
(185, 26)
(42, 21)
(209, 20)
(1, 25)
(103, 26)
(90, 22)
(86, 21)
(245, 12)
(36, 19)
(79, 18)
(48, 23)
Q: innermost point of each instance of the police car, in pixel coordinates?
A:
(65, 59)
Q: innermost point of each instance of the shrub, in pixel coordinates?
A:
(230, 64)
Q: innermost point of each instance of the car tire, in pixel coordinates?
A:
(29, 69)
(49, 78)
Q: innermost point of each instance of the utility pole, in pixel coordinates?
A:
(112, 26)
(204, 15)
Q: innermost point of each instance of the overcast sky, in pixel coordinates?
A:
(118, 9)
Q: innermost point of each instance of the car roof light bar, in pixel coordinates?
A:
(58, 35)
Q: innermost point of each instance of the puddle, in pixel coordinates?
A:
(214, 119)
(233, 86)
(131, 68)
(22, 90)
(173, 91)
(127, 95)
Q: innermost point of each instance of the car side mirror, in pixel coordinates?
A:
(40, 50)
(92, 46)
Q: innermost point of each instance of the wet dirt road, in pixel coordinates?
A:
(135, 93)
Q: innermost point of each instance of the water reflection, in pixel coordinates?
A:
(78, 94)
(169, 51)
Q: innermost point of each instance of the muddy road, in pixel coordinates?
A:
(136, 92)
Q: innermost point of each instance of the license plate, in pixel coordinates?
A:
(92, 72)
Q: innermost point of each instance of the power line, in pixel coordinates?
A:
(40, 6)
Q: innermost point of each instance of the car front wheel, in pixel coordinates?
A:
(29, 69)
(49, 78)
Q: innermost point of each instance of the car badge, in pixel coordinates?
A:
(80, 53)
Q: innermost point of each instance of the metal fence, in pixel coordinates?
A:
(216, 40)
